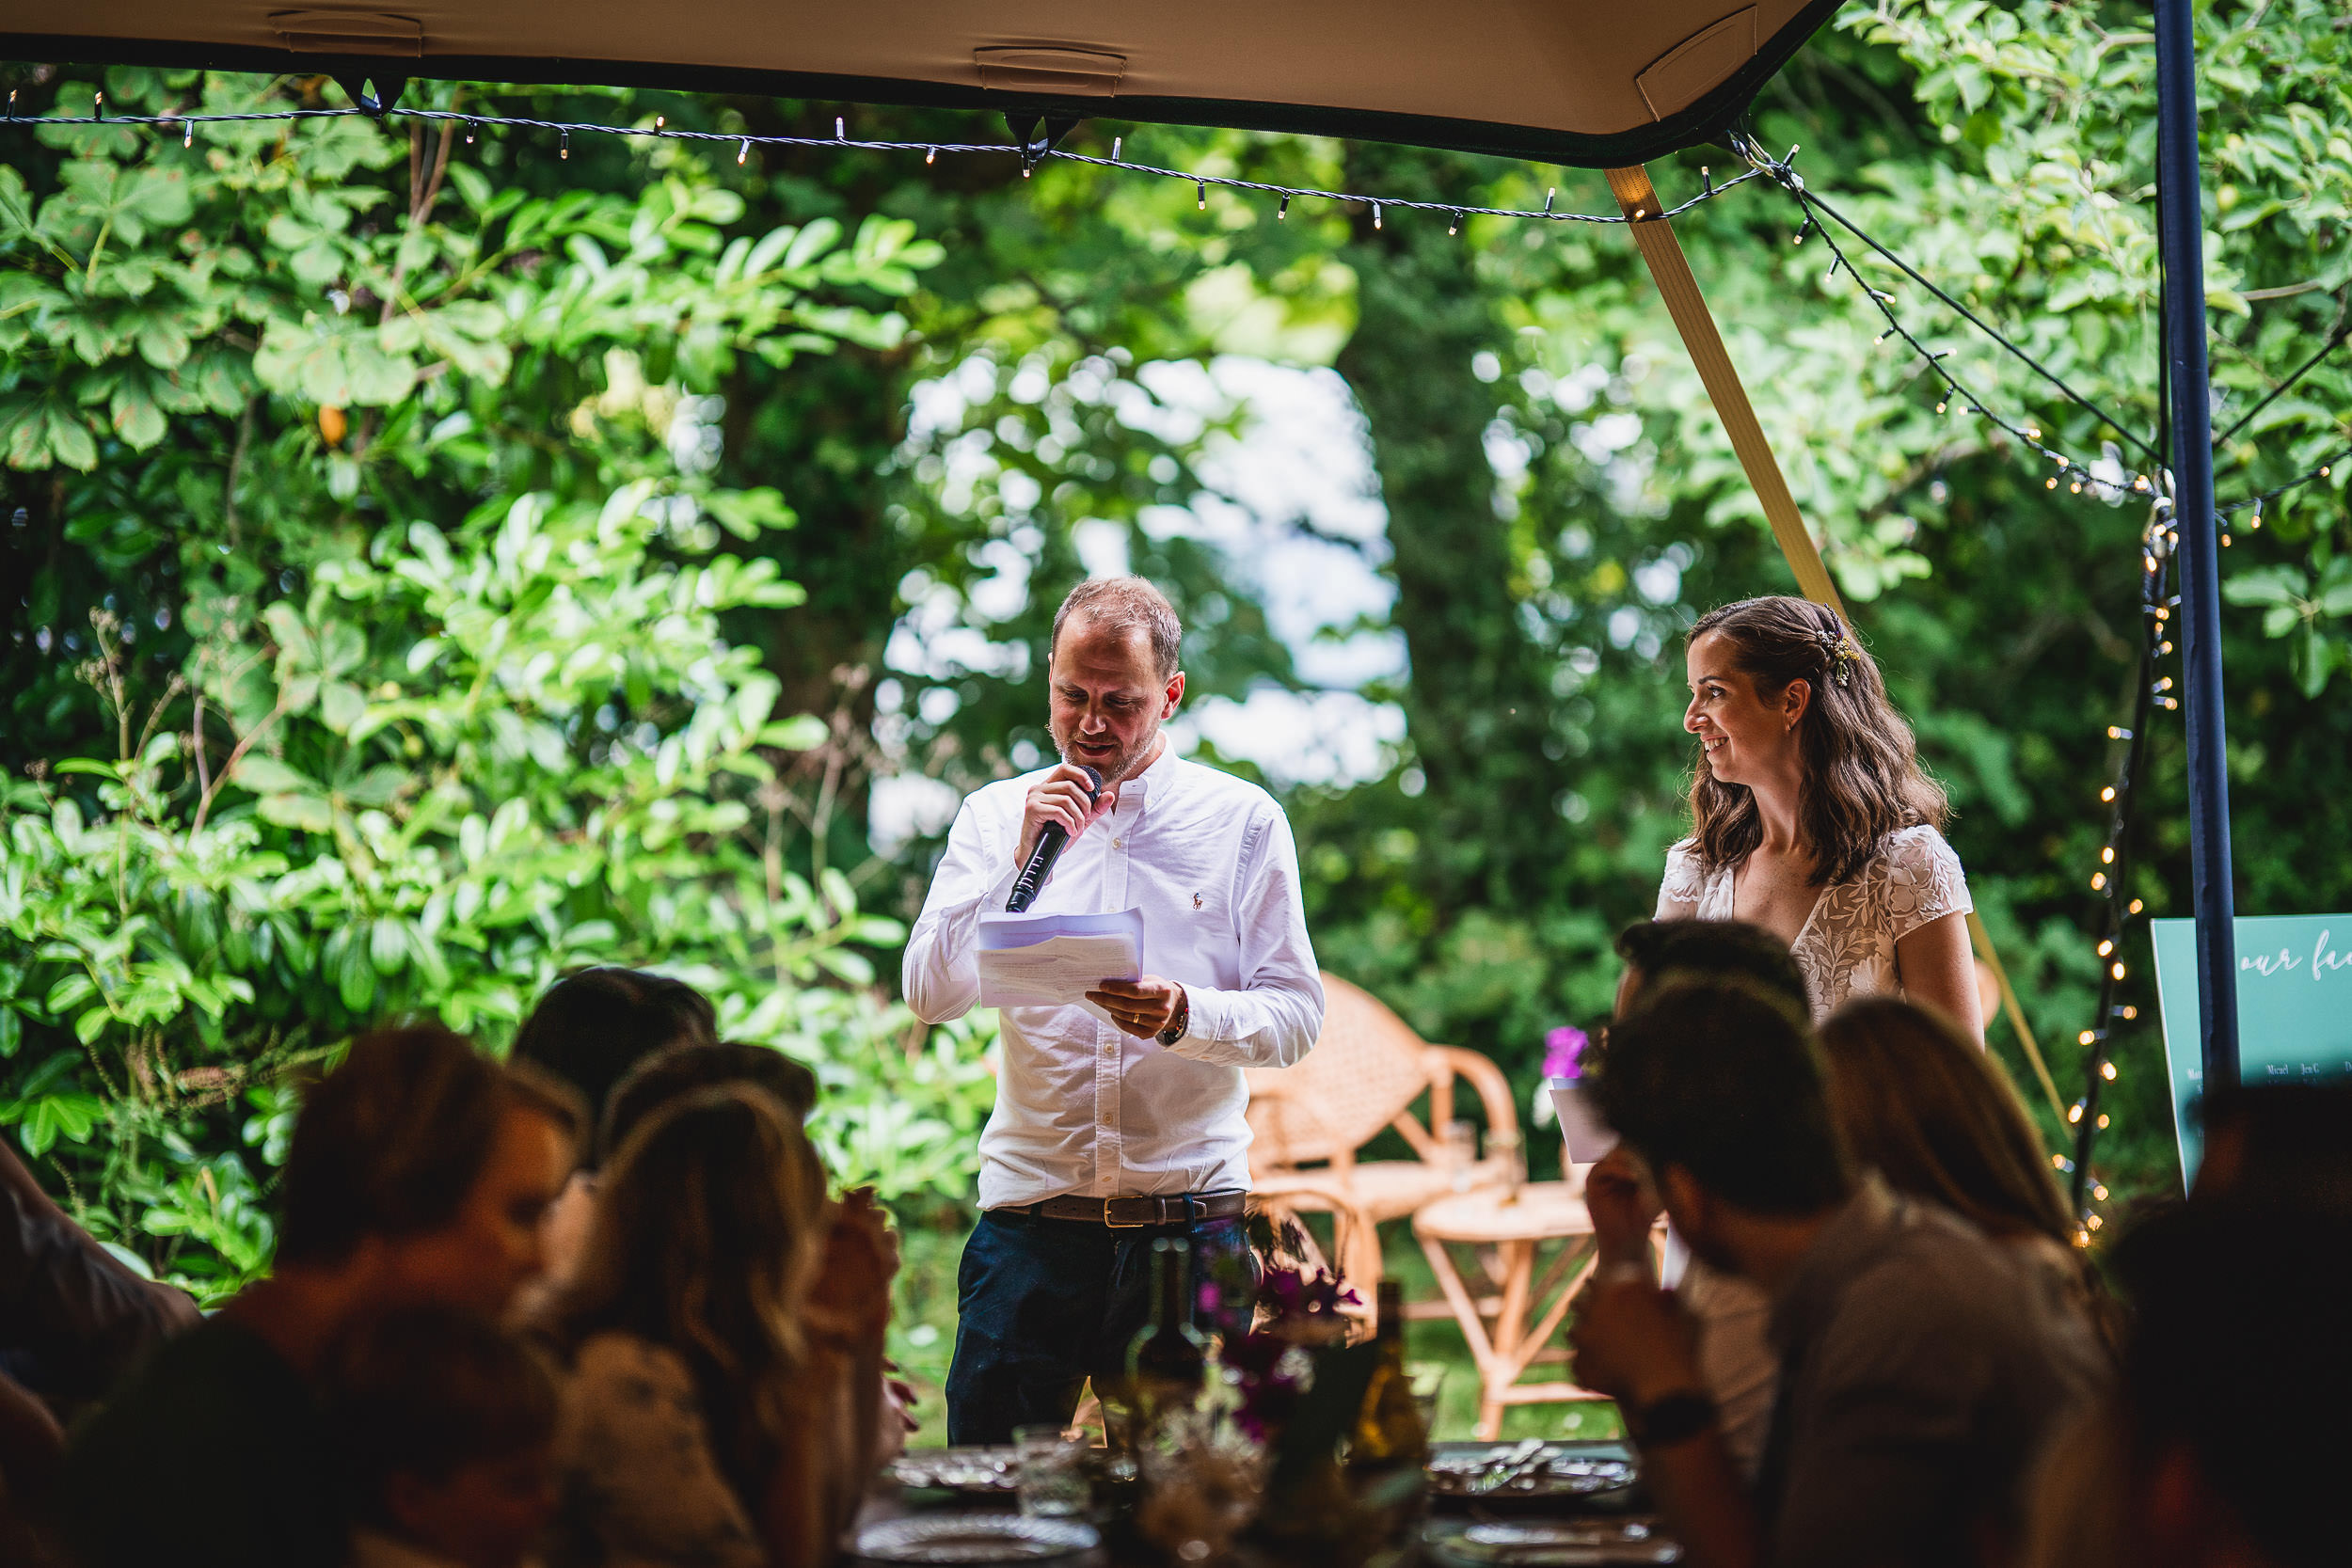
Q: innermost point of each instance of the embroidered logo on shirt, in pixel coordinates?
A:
(1196, 900)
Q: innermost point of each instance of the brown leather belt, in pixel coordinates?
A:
(1130, 1214)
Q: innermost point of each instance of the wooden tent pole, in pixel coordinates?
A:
(1671, 271)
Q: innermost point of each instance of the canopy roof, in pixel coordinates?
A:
(1596, 83)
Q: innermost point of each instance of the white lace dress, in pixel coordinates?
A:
(1847, 946)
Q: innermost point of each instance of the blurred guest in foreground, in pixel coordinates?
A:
(591, 1029)
(1736, 1357)
(1935, 1115)
(72, 1320)
(656, 1081)
(1921, 1368)
(445, 1423)
(2235, 1383)
(420, 1172)
(2223, 1449)
(724, 1342)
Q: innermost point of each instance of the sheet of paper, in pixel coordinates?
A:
(1052, 960)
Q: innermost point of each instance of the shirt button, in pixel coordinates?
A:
(1119, 844)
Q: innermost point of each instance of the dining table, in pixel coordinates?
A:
(1534, 1504)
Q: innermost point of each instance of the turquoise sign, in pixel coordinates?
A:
(2294, 1008)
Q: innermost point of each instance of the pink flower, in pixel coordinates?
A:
(1563, 1050)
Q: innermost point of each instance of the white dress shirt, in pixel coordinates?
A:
(1082, 1108)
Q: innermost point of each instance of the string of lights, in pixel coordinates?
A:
(2077, 476)
(744, 142)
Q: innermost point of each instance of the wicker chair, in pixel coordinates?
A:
(1367, 1072)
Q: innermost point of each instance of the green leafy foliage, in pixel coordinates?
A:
(406, 649)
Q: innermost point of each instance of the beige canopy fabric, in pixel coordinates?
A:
(1593, 83)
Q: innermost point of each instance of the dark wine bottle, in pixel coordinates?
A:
(1169, 1363)
(1389, 1429)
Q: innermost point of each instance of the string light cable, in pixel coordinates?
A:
(186, 124)
(2025, 433)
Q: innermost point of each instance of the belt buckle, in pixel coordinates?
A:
(1109, 1209)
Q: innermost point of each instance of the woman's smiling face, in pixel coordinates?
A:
(1746, 736)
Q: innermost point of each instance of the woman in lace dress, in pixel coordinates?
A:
(1811, 816)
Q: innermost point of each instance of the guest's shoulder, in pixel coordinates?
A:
(623, 1368)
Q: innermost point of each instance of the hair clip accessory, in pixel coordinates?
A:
(1840, 654)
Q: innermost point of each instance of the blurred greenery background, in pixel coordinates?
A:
(436, 558)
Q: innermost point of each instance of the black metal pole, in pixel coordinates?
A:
(2181, 237)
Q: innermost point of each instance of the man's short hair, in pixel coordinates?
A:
(659, 1080)
(1712, 949)
(427, 1391)
(593, 1026)
(1120, 604)
(392, 1141)
(1722, 1078)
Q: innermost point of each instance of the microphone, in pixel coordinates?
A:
(1050, 839)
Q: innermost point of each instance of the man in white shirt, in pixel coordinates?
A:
(1110, 1135)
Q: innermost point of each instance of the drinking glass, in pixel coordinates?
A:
(1461, 1152)
(1053, 1471)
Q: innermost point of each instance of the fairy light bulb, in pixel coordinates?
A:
(660, 120)
(1200, 190)
(2107, 1070)
(743, 151)
(1282, 210)
(2108, 794)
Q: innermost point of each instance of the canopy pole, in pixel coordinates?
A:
(2181, 239)
(1671, 269)
(1671, 272)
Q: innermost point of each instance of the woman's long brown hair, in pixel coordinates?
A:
(1862, 774)
(708, 1227)
(1938, 1116)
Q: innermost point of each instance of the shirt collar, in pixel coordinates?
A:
(1840, 1250)
(1158, 778)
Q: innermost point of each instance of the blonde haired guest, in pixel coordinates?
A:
(724, 1340)
(1811, 816)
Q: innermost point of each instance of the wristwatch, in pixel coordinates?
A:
(1178, 1021)
(1671, 1418)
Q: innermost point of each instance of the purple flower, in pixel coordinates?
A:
(1563, 1049)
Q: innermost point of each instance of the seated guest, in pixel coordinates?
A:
(1921, 1369)
(657, 1080)
(593, 1025)
(72, 1317)
(420, 1172)
(2236, 1378)
(72, 1320)
(722, 1340)
(2286, 1143)
(664, 1077)
(589, 1030)
(1934, 1115)
(445, 1424)
(1734, 1357)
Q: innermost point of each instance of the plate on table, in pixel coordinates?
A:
(1532, 1472)
(976, 1471)
(1551, 1543)
(951, 1538)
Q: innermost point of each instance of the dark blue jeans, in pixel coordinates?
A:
(1043, 1304)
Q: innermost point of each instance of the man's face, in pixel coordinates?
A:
(1108, 700)
(492, 1246)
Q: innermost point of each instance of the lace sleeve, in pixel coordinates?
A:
(1684, 884)
(1920, 881)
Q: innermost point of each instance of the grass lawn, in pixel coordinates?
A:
(923, 1337)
